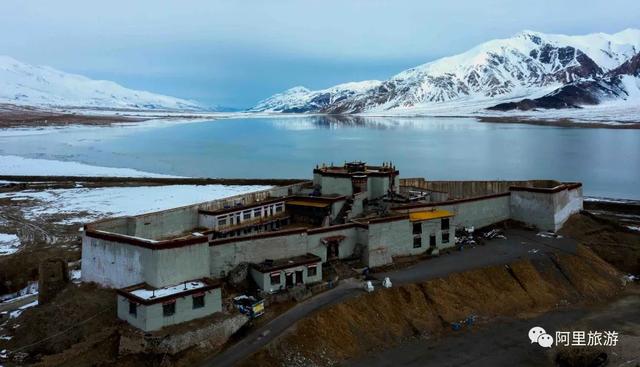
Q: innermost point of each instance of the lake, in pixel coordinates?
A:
(607, 161)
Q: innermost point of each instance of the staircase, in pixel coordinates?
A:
(341, 218)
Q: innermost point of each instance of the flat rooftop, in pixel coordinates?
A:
(146, 294)
(356, 168)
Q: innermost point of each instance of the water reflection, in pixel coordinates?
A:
(606, 161)
(310, 122)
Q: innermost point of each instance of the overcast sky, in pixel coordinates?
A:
(234, 53)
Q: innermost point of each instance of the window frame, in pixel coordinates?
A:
(272, 276)
(418, 226)
(417, 242)
(169, 309)
(133, 307)
(315, 270)
(444, 227)
(197, 297)
(445, 237)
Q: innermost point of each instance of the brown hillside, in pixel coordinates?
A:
(388, 316)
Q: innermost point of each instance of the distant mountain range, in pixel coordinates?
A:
(25, 84)
(530, 70)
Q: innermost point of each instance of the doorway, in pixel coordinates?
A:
(288, 280)
(432, 241)
(299, 279)
(332, 250)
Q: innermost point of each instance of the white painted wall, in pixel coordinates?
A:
(150, 318)
(567, 203)
(112, 264)
(176, 265)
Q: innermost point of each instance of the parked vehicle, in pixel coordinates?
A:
(252, 306)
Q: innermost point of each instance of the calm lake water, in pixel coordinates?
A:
(607, 161)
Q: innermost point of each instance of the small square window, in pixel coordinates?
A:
(444, 224)
(312, 271)
(417, 242)
(445, 237)
(275, 279)
(198, 301)
(417, 228)
(169, 309)
(133, 309)
(246, 215)
(257, 212)
(222, 221)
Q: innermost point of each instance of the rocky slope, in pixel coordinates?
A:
(527, 65)
(619, 84)
(24, 84)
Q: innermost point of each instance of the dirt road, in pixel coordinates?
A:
(518, 244)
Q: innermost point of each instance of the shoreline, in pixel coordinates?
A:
(561, 122)
(31, 117)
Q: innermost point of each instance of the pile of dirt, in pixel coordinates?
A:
(81, 319)
(613, 242)
(389, 316)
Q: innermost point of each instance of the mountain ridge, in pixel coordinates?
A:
(528, 65)
(39, 85)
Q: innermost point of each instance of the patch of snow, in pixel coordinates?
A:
(607, 200)
(9, 244)
(548, 235)
(75, 275)
(634, 228)
(6, 337)
(168, 291)
(95, 203)
(19, 311)
(20, 166)
(31, 288)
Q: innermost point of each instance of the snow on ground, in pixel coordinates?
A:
(115, 201)
(613, 113)
(9, 243)
(31, 288)
(14, 165)
(75, 275)
(20, 310)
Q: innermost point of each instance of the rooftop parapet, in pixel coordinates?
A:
(356, 168)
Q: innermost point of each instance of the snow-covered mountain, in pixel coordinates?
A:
(301, 99)
(25, 84)
(527, 65)
(621, 84)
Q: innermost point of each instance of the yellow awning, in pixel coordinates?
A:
(429, 214)
(308, 203)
